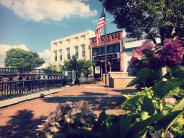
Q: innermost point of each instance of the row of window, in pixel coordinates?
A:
(68, 53)
(110, 49)
(76, 39)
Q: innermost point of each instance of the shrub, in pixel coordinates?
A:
(70, 119)
(147, 61)
(142, 56)
(171, 53)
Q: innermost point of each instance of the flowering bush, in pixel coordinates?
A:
(158, 110)
(76, 115)
(171, 53)
(144, 65)
(138, 53)
(141, 56)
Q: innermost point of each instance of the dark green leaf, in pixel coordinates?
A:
(139, 103)
(167, 88)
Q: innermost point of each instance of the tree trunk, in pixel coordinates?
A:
(76, 78)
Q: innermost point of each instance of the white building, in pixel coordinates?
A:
(76, 44)
(130, 46)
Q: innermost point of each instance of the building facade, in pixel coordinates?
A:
(113, 44)
(119, 52)
(77, 44)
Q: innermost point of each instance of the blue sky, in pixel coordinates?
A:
(34, 23)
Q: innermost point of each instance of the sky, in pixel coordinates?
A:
(33, 24)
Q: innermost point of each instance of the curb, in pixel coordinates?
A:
(16, 100)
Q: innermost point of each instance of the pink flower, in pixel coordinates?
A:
(137, 53)
(137, 59)
(170, 101)
(171, 53)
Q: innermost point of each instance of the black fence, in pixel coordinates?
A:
(18, 82)
(27, 74)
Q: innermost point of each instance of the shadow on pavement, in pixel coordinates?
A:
(96, 101)
(125, 91)
(93, 93)
(21, 125)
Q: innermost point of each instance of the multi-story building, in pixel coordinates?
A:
(119, 52)
(77, 44)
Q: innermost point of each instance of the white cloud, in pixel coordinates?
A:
(46, 54)
(55, 10)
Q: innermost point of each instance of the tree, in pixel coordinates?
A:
(78, 67)
(86, 67)
(153, 18)
(53, 69)
(19, 58)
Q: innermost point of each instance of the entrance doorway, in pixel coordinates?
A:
(99, 69)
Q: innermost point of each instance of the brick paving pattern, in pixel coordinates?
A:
(21, 119)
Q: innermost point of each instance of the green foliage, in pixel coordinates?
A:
(164, 116)
(177, 128)
(175, 72)
(139, 103)
(159, 108)
(52, 69)
(108, 126)
(86, 67)
(167, 88)
(19, 58)
(148, 109)
(154, 18)
(145, 77)
(78, 67)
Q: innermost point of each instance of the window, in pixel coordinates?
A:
(68, 41)
(60, 43)
(55, 55)
(116, 48)
(60, 54)
(100, 51)
(68, 53)
(55, 44)
(76, 51)
(110, 49)
(83, 51)
(83, 37)
(76, 39)
(94, 52)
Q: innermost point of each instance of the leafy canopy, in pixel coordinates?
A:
(52, 69)
(156, 18)
(19, 58)
(78, 66)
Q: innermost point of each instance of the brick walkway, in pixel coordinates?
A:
(29, 114)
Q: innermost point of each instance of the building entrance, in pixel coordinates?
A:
(99, 68)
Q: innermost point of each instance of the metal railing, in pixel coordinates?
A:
(28, 73)
(12, 89)
(27, 81)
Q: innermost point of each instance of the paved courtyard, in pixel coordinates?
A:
(18, 119)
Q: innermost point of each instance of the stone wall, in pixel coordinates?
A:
(119, 79)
